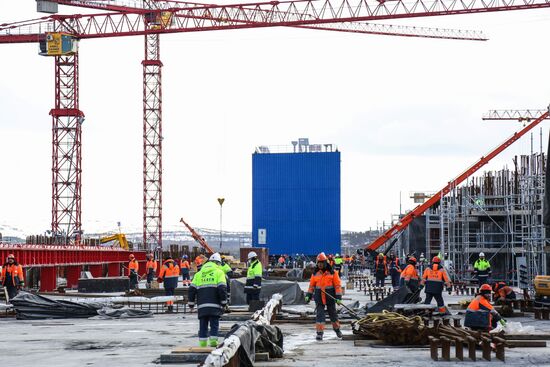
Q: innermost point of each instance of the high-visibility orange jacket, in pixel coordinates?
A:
(169, 273)
(480, 314)
(281, 260)
(185, 264)
(505, 292)
(198, 261)
(434, 278)
(151, 266)
(12, 273)
(409, 273)
(381, 266)
(325, 281)
(393, 265)
(133, 265)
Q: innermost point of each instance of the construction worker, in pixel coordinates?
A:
(12, 276)
(394, 270)
(184, 268)
(434, 278)
(331, 260)
(228, 272)
(151, 269)
(480, 314)
(380, 270)
(503, 292)
(409, 275)
(281, 261)
(198, 262)
(133, 268)
(338, 261)
(482, 269)
(209, 292)
(254, 274)
(326, 290)
(169, 274)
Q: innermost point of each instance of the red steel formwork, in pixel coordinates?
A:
(49, 259)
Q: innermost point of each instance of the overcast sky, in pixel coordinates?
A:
(404, 112)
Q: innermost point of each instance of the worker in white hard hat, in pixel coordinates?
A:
(482, 270)
(253, 284)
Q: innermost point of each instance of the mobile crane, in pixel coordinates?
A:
(197, 237)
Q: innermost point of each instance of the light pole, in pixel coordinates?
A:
(221, 200)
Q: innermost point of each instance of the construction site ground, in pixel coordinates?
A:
(140, 342)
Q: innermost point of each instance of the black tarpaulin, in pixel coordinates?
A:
(399, 296)
(34, 307)
(291, 291)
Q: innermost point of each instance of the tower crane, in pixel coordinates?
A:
(59, 36)
(420, 209)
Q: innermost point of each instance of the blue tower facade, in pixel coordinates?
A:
(296, 202)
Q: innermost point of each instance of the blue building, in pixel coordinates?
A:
(296, 199)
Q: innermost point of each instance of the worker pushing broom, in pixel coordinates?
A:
(325, 288)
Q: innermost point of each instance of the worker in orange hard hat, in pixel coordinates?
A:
(409, 275)
(503, 292)
(133, 268)
(325, 288)
(12, 276)
(169, 274)
(480, 314)
(434, 278)
(150, 269)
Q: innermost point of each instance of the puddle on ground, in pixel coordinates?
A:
(101, 345)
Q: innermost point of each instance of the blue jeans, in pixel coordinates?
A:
(203, 327)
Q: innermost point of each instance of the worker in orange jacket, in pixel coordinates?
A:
(409, 275)
(198, 262)
(434, 279)
(12, 276)
(151, 269)
(325, 288)
(184, 268)
(169, 274)
(394, 269)
(380, 270)
(480, 314)
(503, 292)
(133, 268)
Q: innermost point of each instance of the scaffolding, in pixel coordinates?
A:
(499, 213)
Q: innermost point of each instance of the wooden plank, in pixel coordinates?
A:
(193, 350)
(183, 358)
(525, 343)
(366, 343)
(526, 336)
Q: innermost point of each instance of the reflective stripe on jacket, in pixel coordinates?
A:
(133, 265)
(170, 272)
(393, 265)
(482, 267)
(254, 278)
(325, 281)
(381, 267)
(434, 278)
(209, 290)
(12, 273)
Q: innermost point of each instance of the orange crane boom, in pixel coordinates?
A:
(197, 237)
(419, 210)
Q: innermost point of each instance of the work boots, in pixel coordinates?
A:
(319, 336)
(338, 333)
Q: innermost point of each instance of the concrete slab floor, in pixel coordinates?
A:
(140, 342)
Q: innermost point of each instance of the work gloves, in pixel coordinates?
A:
(191, 306)
(307, 299)
(160, 280)
(502, 322)
(339, 301)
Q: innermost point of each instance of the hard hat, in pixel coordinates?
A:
(11, 256)
(481, 254)
(322, 257)
(216, 257)
(436, 260)
(485, 288)
(251, 255)
(184, 257)
(412, 259)
(132, 256)
(337, 255)
(380, 255)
